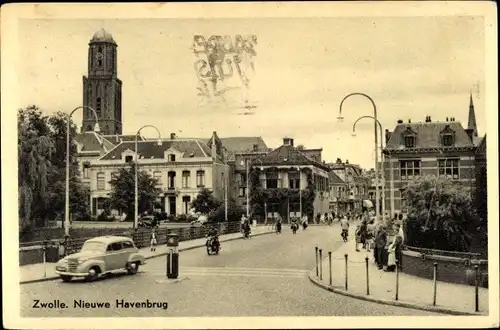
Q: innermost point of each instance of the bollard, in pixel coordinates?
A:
(173, 256)
(367, 278)
(316, 261)
(320, 264)
(330, 265)
(345, 256)
(397, 280)
(435, 283)
(476, 268)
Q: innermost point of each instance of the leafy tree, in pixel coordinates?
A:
(42, 160)
(234, 212)
(205, 202)
(122, 197)
(441, 215)
(35, 149)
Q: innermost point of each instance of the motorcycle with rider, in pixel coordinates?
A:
(294, 226)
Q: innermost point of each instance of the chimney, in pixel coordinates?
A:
(255, 147)
(428, 119)
(409, 121)
(470, 134)
(446, 118)
(347, 161)
(400, 121)
(339, 161)
(300, 147)
(387, 135)
(172, 136)
(288, 141)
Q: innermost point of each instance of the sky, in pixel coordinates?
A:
(412, 67)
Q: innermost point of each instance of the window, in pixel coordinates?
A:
(114, 247)
(185, 201)
(294, 180)
(200, 178)
(99, 56)
(101, 181)
(241, 191)
(98, 106)
(447, 140)
(158, 177)
(186, 176)
(171, 158)
(127, 245)
(272, 180)
(449, 168)
(409, 169)
(86, 171)
(171, 180)
(409, 141)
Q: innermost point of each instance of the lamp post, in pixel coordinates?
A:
(391, 185)
(300, 194)
(248, 189)
(96, 129)
(136, 185)
(377, 194)
(381, 163)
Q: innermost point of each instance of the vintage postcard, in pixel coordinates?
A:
(250, 165)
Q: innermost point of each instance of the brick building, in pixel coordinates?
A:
(442, 148)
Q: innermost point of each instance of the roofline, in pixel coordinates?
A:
(107, 153)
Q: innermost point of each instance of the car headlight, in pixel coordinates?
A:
(80, 261)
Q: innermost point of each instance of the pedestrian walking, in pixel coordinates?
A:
(153, 240)
(344, 225)
(380, 243)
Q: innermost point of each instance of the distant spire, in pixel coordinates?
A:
(472, 117)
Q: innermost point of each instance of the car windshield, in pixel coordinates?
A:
(93, 246)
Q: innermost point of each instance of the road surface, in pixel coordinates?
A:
(261, 276)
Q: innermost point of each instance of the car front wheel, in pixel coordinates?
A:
(132, 268)
(93, 274)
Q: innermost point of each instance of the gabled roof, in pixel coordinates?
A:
(428, 135)
(288, 155)
(91, 141)
(149, 149)
(243, 144)
(334, 178)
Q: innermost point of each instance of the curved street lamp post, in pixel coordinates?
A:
(96, 129)
(136, 185)
(377, 193)
(382, 179)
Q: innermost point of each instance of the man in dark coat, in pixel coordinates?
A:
(380, 243)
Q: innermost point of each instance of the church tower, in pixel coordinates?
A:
(102, 90)
(472, 118)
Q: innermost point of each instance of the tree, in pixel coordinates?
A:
(122, 197)
(35, 149)
(42, 160)
(441, 214)
(205, 202)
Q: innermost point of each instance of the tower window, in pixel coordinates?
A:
(99, 56)
(447, 140)
(409, 141)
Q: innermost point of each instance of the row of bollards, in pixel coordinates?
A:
(319, 273)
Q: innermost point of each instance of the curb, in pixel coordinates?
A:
(52, 278)
(427, 308)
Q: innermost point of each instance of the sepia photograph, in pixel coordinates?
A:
(250, 165)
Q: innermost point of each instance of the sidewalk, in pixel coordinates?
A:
(46, 272)
(413, 292)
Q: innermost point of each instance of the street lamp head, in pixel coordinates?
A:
(340, 118)
(97, 129)
(353, 134)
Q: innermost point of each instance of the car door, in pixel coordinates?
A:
(113, 256)
(127, 249)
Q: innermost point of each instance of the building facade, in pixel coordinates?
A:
(182, 167)
(348, 186)
(429, 149)
(286, 182)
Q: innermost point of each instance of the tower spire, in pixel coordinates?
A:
(472, 117)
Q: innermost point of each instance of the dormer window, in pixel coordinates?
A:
(447, 136)
(409, 141)
(409, 137)
(171, 158)
(447, 140)
(129, 159)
